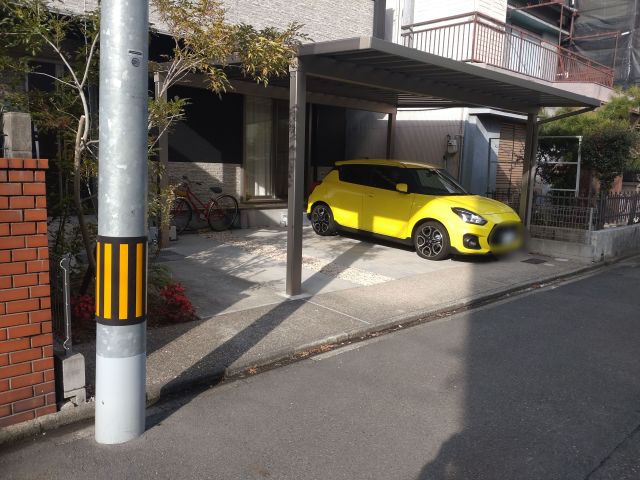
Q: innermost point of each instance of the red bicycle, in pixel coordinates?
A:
(220, 211)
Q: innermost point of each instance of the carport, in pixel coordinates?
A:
(373, 74)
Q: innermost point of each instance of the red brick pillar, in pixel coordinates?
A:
(27, 387)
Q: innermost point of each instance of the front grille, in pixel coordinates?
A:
(505, 234)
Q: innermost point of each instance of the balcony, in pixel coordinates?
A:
(477, 38)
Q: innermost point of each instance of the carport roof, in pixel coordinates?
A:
(375, 70)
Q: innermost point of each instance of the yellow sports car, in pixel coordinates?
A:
(413, 203)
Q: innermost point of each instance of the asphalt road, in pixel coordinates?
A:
(544, 386)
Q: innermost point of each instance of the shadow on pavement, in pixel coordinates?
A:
(550, 384)
(201, 376)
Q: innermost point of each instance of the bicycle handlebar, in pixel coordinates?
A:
(186, 179)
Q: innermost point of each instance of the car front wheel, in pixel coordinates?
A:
(322, 220)
(431, 241)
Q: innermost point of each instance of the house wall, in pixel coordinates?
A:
(27, 384)
(480, 152)
(426, 10)
(421, 136)
(322, 19)
(227, 176)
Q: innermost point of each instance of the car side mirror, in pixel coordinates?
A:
(402, 187)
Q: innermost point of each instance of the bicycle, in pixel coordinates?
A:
(220, 211)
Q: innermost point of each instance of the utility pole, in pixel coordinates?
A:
(121, 250)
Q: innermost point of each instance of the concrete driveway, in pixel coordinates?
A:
(243, 269)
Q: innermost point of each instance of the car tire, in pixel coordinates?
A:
(322, 220)
(431, 240)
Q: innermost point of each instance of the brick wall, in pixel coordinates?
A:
(27, 388)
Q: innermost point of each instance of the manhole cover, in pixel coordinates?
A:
(534, 261)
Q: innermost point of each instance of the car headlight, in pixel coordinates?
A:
(468, 216)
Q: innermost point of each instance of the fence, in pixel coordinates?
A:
(509, 197)
(61, 300)
(474, 37)
(563, 216)
(618, 209)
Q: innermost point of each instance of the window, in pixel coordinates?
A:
(212, 129)
(359, 174)
(388, 177)
(429, 181)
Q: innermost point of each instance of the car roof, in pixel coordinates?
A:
(388, 163)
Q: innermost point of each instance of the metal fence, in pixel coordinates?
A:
(563, 216)
(474, 37)
(61, 300)
(618, 209)
(509, 197)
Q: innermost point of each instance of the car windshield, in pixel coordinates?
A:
(431, 181)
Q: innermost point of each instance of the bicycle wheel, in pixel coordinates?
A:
(181, 213)
(222, 213)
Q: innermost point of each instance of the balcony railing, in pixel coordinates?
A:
(474, 37)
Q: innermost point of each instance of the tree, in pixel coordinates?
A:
(611, 142)
(203, 42)
(33, 28)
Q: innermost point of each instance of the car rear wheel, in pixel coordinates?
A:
(322, 220)
(431, 241)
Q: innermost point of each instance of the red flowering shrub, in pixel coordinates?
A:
(174, 306)
(83, 307)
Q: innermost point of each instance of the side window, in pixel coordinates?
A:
(388, 177)
(358, 174)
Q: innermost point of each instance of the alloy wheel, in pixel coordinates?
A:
(320, 219)
(429, 241)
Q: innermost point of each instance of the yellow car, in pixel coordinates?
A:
(413, 203)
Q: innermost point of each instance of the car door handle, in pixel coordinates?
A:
(370, 195)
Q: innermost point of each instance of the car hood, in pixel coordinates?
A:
(478, 204)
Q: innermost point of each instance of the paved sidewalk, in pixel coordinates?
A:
(353, 287)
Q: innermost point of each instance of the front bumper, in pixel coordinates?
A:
(499, 235)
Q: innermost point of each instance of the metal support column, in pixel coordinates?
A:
(529, 168)
(121, 254)
(297, 125)
(391, 133)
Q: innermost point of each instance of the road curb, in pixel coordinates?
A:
(286, 356)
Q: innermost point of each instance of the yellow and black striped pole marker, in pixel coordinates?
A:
(121, 280)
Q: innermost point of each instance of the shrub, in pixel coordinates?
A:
(83, 308)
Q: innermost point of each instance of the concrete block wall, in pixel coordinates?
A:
(16, 126)
(27, 384)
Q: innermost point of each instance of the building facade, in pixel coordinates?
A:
(240, 140)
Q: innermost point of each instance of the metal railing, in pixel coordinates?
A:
(507, 196)
(618, 209)
(563, 216)
(61, 300)
(474, 37)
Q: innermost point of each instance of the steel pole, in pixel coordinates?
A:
(297, 117)
(122, 222)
